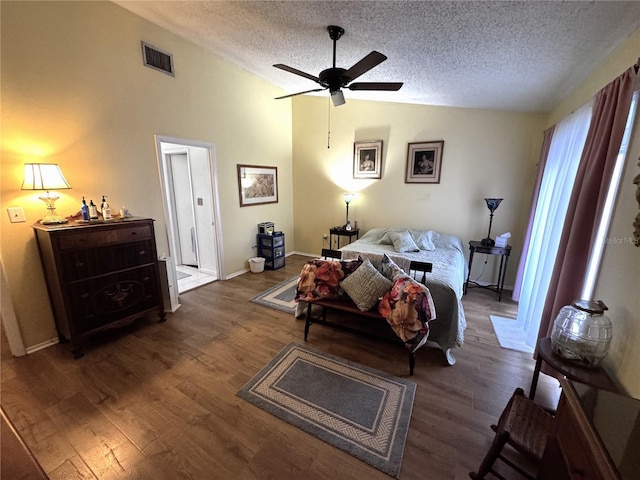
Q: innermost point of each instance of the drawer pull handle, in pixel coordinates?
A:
(79, 264)
(84, 295)
(146, 279)
(142, 252)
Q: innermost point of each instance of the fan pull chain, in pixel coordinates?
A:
(329, 124)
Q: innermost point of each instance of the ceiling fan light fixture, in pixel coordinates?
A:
(336, 78)
(337, 97)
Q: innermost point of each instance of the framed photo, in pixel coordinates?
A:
(257, 184)
(367, 159)
(424, 162)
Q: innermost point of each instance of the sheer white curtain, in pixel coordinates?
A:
(555, 190)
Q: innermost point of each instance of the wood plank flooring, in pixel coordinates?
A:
(157, 400)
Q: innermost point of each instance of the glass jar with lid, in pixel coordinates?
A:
(582, 333)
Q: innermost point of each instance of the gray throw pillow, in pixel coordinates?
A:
(365, 286)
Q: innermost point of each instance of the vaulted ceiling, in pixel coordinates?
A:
(507, 55)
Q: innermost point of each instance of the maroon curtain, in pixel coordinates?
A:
(542, 162)
(602, 145)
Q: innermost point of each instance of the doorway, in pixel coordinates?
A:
(190, 195)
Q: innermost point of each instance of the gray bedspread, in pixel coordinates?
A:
(445, 282)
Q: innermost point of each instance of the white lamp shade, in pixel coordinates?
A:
(348, 197)
(43, 176)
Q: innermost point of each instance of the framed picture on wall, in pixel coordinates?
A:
(257, 184)
(367, 159)
(424, 162)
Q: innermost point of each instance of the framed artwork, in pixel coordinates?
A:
(367, 159)
(257, 185)
(424, 162)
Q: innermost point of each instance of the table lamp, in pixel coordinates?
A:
(348, 197)
(46, 176)
(492, 205)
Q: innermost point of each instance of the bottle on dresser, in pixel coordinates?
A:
(106, 210)
(93, 211)
(85, 210)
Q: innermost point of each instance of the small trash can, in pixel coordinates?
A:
(256, 264)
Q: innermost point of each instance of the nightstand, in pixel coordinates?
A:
(504, 252)
(341, 232)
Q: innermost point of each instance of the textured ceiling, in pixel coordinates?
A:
(523, 56)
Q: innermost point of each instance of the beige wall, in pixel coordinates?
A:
(486, 154)
(75, 92)
(619, 282)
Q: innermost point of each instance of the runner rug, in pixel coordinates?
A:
(363, 411)
(281, 297)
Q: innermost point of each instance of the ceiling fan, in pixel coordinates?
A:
(335, 78)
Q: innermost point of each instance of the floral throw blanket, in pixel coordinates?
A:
(407, 305)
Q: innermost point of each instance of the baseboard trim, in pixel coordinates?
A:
(41, 346)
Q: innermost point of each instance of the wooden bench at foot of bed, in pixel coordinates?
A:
(346, 305)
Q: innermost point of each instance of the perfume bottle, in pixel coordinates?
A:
(85, 210)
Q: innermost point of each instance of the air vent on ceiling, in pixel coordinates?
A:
(155, 58)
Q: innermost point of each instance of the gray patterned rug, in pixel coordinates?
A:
(363, 411)
(281, 297)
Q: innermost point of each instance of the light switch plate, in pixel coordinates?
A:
(16, 214)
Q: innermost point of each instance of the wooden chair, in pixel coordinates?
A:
(328, 253)
(525, 426)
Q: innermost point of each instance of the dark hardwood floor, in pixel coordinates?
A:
(157, 400)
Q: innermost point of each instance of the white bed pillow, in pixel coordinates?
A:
(403, 242)
(424, 239)
(365, 286)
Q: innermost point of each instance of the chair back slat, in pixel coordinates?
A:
(328, 253)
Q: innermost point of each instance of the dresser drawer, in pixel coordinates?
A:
(100, 237)
(272, 252)
(84, 263)
(98, 302)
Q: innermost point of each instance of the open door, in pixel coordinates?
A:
(189, 183)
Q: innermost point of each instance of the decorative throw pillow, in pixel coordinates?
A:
(321, 278)
(408, 308)
(402, 242)
(424, 239)
(365, 286)
(389, 269)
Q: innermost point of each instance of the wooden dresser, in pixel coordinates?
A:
(99, 275)
(596, 436)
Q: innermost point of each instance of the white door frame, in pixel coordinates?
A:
(215, 198)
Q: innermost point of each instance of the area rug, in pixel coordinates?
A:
(509, 334)
(180, 275)
(281, 297)
(358, 409)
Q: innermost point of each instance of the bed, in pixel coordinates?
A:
(445, 282)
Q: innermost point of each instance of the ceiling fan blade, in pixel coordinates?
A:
(364, 65)
(390, 86)
(300, 93)
(295, 71)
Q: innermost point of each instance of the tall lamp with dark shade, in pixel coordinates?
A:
(492, 205)
(348, 197)
(46, 176)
